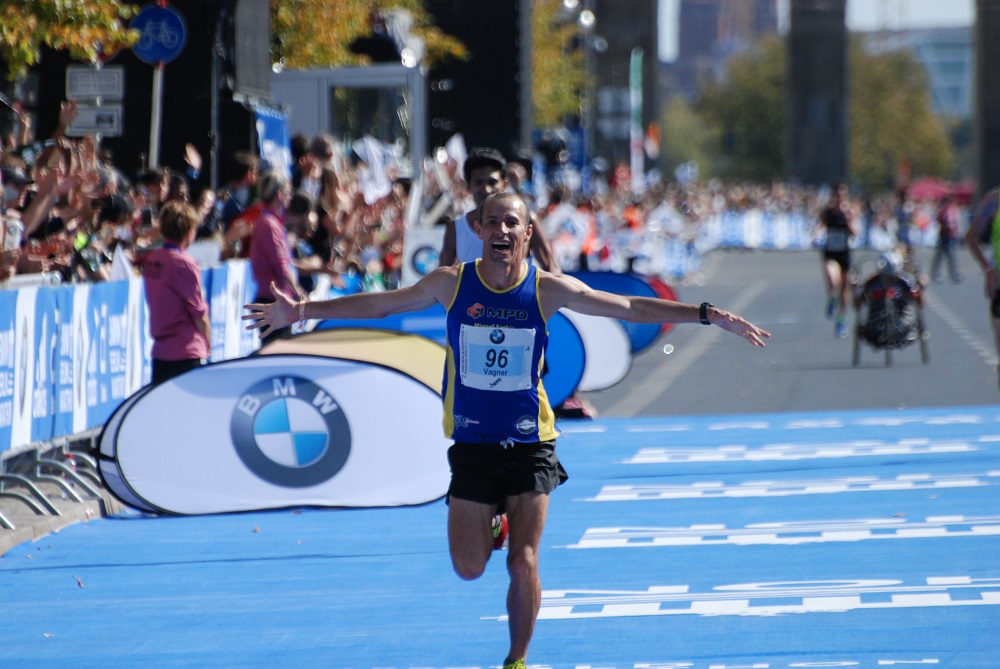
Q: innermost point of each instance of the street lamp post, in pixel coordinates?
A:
(588, 22)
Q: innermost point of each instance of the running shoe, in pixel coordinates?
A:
(515, 664)
(500, 532)
(841, 329)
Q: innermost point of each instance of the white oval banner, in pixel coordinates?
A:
(107, 466)
(609, 352)
(282, 431)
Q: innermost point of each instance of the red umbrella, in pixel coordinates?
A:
(965, 191)
(929, 188)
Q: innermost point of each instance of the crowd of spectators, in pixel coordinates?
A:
(74, 217)
(672, 207)
(82, 219)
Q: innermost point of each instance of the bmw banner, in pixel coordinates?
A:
(420, 253)
(227, 289)
(66, 370)
(214, 284)
(78, 356)
(105, 350)
(23, 360)
(139, 368)
(107, 466)
(43, 371)
(8, 367)
(273, 137)
(241, 289)
(281, 431)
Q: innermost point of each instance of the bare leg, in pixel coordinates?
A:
(843, 289)
(830, 273)
(829, 267)
(470, 540)
(526, 514)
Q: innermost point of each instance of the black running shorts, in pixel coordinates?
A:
(488, 473)
(842, 258)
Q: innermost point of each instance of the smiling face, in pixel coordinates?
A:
(505, 228)
(483, 182)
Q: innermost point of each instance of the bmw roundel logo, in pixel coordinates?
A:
(290, 432)
(424, 260)
(497, 336)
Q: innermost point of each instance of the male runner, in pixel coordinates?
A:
(495, 406)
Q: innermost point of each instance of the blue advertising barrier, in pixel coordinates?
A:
(70, 355)
(641, 335)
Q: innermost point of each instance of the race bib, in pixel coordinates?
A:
(496, 358)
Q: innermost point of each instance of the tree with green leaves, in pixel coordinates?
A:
(557, 74)
(890, 120)
(747, 109)
(318, 33)
(84, 28)
(687, 137)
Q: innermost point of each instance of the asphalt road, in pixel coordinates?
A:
(804, 366)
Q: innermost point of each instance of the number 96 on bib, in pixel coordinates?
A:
(496, 358)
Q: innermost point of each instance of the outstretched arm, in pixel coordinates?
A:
(563, 291)
(438, 286)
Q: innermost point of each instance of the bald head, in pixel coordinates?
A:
(508, 199)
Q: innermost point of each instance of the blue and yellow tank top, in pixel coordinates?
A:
(495, 351)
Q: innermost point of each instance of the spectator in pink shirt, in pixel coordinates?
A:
(178, 312)
(270, 252)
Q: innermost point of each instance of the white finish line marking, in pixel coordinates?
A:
(770, 599)
(886, 420)
(790, 533)
(705, 489)
(786, 452)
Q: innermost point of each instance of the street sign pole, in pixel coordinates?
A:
(155, 116)
(162, 36)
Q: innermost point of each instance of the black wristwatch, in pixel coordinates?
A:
(703, 313)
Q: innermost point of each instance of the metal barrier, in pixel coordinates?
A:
(22, 473)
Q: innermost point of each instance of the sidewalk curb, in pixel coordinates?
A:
(39, 526)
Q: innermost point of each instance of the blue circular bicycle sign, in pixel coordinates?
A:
(162, 34)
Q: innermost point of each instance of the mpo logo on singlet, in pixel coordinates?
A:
(290, 432)
(476, 310)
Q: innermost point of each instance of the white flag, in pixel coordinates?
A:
(373, 179)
